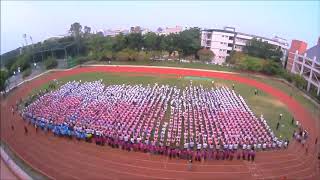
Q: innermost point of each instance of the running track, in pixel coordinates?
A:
(60, 158)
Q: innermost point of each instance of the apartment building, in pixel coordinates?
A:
(308, 66)
(223, 41)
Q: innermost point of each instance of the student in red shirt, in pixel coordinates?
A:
(238, 155)
(249, 155)
(217, 155)
(244, 154)
(253, 155)
(223, 154)
(231, 155)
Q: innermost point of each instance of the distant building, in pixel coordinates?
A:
(170, 30)
(307, 65)
(223, 41)
(145, 31)
(114, 32)
(135, 29)
(296, 46)
(159, 30)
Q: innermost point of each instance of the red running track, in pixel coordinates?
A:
(61, 158)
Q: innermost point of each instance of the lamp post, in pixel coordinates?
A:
(15, 78)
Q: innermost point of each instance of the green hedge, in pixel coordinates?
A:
(50, 63)
(26, 72)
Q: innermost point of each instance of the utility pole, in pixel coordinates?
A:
(34, 63)
(25, 38)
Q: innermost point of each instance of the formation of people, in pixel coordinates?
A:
(194, 122)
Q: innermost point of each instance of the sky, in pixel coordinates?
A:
(41, 20)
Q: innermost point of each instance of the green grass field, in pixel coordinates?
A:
(261, 104)
(194, 65)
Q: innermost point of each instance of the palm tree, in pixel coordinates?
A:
(75, 30)
(87, 30)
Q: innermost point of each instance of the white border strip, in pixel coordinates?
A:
(13, 166)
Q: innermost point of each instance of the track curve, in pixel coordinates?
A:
(69, 159)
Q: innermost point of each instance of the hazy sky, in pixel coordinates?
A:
(290, 20)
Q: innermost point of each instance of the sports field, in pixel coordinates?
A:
(68, 156)
(262, 103)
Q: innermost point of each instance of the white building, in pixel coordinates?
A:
(114, 32)
(308, 66)
(170, 30)
(223, 41)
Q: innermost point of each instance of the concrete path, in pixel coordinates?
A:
(5, 172)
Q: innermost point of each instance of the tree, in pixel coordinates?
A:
(169, 43)
(99, 45)
(120, 42)
(75, 30)
(189, 41)
(134, 41)
(205, 54)
(3, 78)
(150, 41)
(264, 50)
(87, 30)
(23, 62)
(235, 57)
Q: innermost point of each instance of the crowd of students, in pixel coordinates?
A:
(202, 123)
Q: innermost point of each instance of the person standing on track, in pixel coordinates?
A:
(36, 127)
(25, 130)
(190, 165)
(307, 150)
(12, 109)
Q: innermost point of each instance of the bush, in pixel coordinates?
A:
(22, 62)
(299, 81)
(122, 56)
(271, 68)
(205, 55)
(82, 59)
(143, 56)
(235, 57)
(50, 63)
(26, 73)
(127, 55)
(3, 77)
(251, 64)
(287, 76)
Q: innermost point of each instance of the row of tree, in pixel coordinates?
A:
(186, 43)
(263, 49)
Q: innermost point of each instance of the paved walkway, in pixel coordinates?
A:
(6, 172)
